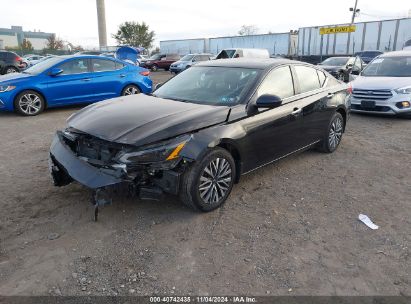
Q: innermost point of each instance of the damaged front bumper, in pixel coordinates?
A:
(147, 183)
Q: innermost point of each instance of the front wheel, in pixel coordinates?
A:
(207, 183)
(29, 103)
(154, 68)
(342, 77)
(131, 89)
(334, 134)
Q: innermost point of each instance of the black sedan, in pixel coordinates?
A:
(340, 67)
(200, 131)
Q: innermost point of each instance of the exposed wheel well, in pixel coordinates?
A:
(237, 158)
(44, 98)
(344, 115)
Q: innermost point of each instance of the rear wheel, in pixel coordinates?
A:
(29, 103)
(131, 89)
(208, 183)
(334, 134)
(10, 70)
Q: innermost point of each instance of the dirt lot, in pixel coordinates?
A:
(289, 228)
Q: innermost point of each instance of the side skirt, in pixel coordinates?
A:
(277, 159)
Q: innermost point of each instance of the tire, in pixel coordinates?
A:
(29, 103)
(10, 70)
(334, 133)
(342, 77)
(187, 67)
(166, 69)
(130, 89)
(154, 68)
(207, 199)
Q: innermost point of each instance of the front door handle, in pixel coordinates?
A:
(330, 95)
(86, 79)
(122, 75)
(296, 111)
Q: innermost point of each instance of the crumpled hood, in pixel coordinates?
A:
(141, 119)
(376, 83)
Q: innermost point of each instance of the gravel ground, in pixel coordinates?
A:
(289, 228)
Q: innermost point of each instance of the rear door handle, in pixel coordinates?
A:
(86, 79)
(296, 111)
(330, 95)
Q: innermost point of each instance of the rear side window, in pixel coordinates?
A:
(278, 82)
(307, 78)
(321, 77)
(102, 65)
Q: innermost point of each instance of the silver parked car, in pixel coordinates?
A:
(384, 86)
(187, 61)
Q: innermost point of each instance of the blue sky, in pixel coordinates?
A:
(76, 20)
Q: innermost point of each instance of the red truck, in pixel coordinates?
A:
(160, 61)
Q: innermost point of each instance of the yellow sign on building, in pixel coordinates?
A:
(337, 29)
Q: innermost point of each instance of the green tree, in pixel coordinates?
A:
(54, 43)
(135, 34)
(26, 45)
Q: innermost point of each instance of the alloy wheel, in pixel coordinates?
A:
(215, 181)
(335, 134)
(131, 91)
(11, 70)
(30, 104)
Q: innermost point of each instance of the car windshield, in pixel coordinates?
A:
(389, 67)
(335, 61)
(187, 58)
(209, 85)
(43, 65)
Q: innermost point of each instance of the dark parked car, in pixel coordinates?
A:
(367, 56)
(160, 61)
(200, 131)
(10, 62)
(339, 67)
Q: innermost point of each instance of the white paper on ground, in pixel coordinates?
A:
(366, 220)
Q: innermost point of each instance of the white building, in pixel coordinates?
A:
(14, 37)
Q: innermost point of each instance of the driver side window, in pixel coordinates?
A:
(278, 82)
(75, 66)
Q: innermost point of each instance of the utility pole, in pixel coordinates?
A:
(101, 17)
(354, 11)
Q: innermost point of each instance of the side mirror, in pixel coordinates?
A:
(158, 85)
(268, 101)
(55, 71)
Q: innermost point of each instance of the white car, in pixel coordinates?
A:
(384, 86)
(33, 59)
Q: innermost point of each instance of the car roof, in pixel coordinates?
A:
(253, 63)
(396, 54)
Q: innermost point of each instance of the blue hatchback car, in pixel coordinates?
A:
(67, 80)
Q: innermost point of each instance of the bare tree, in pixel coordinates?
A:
(54, 43)
(248, 30)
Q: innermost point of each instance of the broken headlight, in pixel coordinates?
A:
(161, 152)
